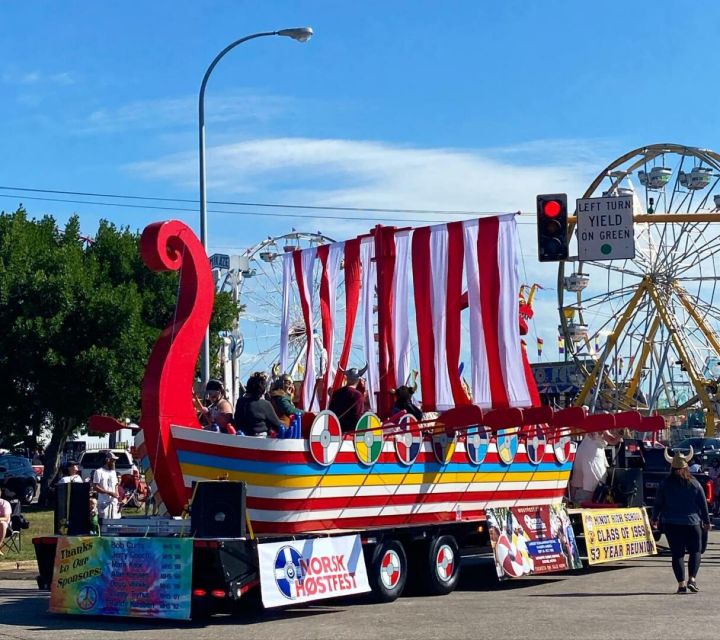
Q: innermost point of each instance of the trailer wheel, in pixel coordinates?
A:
(441, 567)
(388, 571)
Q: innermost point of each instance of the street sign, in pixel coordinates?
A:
(219, 261)
(605, 228)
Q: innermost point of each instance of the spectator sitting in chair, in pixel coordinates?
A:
(72, 473)
(591, 465)
(5, 515)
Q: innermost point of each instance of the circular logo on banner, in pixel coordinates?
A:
(476, 444)
(287, 571)
(445, 563)
(561, 446)
(368, 438)
(390, 569)
(408, 441)
(86, 598)
(325, 438)
(507, 446)
(443, 446)
(535, 443)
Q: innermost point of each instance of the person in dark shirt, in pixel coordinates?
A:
(348, 403)
(681, 507)
(403, 402)
(253, 413)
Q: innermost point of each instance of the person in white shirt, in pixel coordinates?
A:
(72, 473)
(105, 484)
(591, 465)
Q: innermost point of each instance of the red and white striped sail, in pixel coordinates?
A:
(438, 264)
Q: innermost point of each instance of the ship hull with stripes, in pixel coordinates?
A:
(288, 492)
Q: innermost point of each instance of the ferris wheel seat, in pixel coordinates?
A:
(268, 256)
(577, 332)
(656, 178)
(697, 179)
(576, 282)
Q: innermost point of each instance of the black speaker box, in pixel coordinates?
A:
(218, 510)
(627, 487)
(72, 509)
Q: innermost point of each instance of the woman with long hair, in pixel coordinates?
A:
(681, 507)
(253, 413)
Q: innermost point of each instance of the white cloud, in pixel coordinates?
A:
(174, 112)
(36, 78)
(359, 173)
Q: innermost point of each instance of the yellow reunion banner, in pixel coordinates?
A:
(617, 534)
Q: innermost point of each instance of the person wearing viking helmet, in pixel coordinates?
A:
(348, 403)
(404, 401)
(681, 507)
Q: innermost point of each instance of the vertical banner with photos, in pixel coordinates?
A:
(532, 540)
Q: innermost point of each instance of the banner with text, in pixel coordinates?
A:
(617, 534)
(532, 540)
(135, 577)
(304, 570)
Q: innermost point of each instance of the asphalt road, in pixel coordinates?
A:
(624, 600)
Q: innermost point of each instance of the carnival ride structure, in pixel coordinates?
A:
(644, 332)
(462, 458)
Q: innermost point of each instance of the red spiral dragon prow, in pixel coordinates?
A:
(167, 385)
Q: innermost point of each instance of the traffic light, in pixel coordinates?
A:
(552, 220)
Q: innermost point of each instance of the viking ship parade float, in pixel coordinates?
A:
(331, 512)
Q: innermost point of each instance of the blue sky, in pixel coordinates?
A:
(435, 105)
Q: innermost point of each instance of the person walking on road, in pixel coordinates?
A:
(681, 507)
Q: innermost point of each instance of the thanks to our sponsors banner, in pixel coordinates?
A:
(304, 570)
(617, 534)
(135, 577)
(532, 540)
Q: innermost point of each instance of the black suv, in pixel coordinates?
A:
(18, 478)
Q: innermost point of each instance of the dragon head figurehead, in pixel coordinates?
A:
(527, 294)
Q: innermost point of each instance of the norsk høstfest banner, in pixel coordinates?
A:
(532, 540)
(303, 570)
(135, 577)
(617, 534)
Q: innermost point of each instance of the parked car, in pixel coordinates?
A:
(91, 460)
(18, 478)
(699, 445)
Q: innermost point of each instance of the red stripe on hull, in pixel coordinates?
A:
(358, 502)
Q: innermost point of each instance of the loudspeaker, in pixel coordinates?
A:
(72, 509)
(627, 487)
(218, 510)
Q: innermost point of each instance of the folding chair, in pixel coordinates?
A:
(13, 537)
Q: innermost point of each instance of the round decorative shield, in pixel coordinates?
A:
(508, 557)
(325, 438)
(476, 444)
(408, 441)
(561, 447)
(535, 443)
(507, 446)
(443, 446)
(368, 438)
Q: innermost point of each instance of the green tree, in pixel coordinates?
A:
(77, 323)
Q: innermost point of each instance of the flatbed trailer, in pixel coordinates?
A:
(226, 571)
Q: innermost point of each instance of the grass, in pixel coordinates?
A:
(41, 524)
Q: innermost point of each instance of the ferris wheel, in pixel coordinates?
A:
(645, 332)
(260, 294)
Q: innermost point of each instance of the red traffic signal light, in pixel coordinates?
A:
(552, 208)
(552, 227)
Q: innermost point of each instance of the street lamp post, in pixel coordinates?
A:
(301, 34)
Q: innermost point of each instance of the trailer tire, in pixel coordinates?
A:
(388, 571)
(441, 566)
